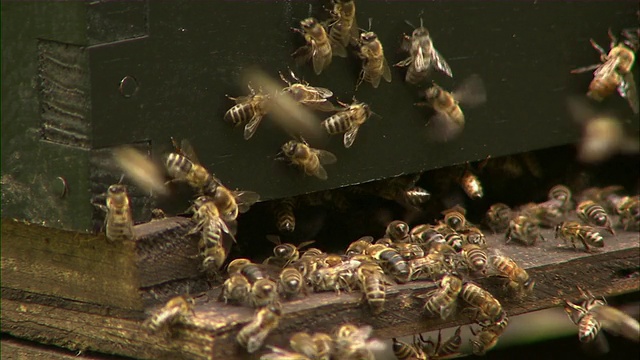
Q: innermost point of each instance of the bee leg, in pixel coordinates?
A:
(598, 48)
(614, 40)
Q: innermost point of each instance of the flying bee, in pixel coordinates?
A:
(372, 283)
(352, 342)
(310, 96)
(347, 121)
(629, 210)
(359, 246)
(390, 260)
(474, 258)
(613, 73)
(283, 211)
(398, 231)
(423, 56)
(374, 64)
(284, 253)
(487, 338)
(448, 121)
(174, 311)
(308, 158)
(523, 229)
(454, 218)
(236, 289)
(144, 172)
(119, 221)
(249, 110)
(574, 231)
(185, 166)
(562, 194)
(318, 47)
(214, 232)
(471, 185)
(401, 189)
(594, 214)
(266, 319)
(473, 235)
(517, 278)
(485, 306)
(593, 314)
(443, 301)
(344, 29)
(232, 202)
(291, 283)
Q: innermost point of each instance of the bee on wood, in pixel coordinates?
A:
(629, 210)
(266, 319)
(594, 214)
(313, 97)
(426, 235)
(488, 336)
(213, 229)
(517, 278)
(374, 64)
(359, 246)
(443, 301)
(249, 110)
(310, 160)
(291, 283)
(236, 289)
(423, 56)
(432, 266)
(486, 307)
(455, 218)
(473, 235)
(284, 253)
(174, 311)
(344, 29)
(283, 211)
(352, 342)
(372, 283)
(448, 121)
(335, 274)
(390, 260)
(409, 251)
(347, 121)
(523, 229)
(119, 221)
(318, 47)
(263, 288)
(398, 231)
(475, 258)
(185, 166)
(574, 231)
(613, 73)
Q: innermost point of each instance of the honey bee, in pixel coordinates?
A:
(448, 122)
(308, 262)
(573, 231)
(517, 278)
(498, 217)
(283, 210)
(485, 306)
(344, 29)
(390, 260)
(443, 350)
(487, 338)
(352, 342)
(174, 311)
(119, 221)
(304, 344)
(212, 244)
(562, 194)
(266, 319)
(454, 240)
(401, 189)
(374, 65)
(310, 96)
(185, 166)
(308, 158)
(523, 229)
(423, 56)
(372, 283)
(475, 258)
(629, 210)
(347, 121)
(291, 282)
(249, 110)
(232, 202)
(474, 236)
(613, 73)
(359, 246)
(432, 266)
(593, 314)
(546, 214)
(471, 185)
(443, 301)
(145, 173)
(454, 218)
(404, 351)
(398, 231)
(335, 275)
(236, 289)
(318, 47)
(594, 214)
(409, 251)
(416, 196)
(263, 289)
(424, 234)
(284, 253)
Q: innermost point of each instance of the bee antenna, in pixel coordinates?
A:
(310, 10)
(409, 23)
(370, 22)
(121, 178)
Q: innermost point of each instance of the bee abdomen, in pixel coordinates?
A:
(588, 327)
(336, 124)
(239, 113)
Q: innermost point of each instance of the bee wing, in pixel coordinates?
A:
(187, 150)
(338, 49)
(628, 90)
(471, 92)
(323, 105)
(618, 322)
(585, 69)
(442, 128)
(350, 136)
(440, 62)
(325, 157)
(323, 92)
(144, 172)
(252, 126)
(302, 55)
(353, 36)
(419, 62)
(386, 71)
(245, 199)
(319, 62)
(405, 62)
(225, 228)
(321, 173)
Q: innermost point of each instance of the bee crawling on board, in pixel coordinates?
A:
(613, 73)
(216, 237)
(574, 231)
(310, 160)
(374, 63)
(118, 222)
(344, 28)
(318, 48)
(523, 229)
(284, 253)
(265, 320)
(174, 311)
(593, 214)
(348, 121)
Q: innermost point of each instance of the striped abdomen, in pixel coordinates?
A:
(337, 123)
(285, 216)
(588, 328)
(241, 113)
(594, 214)
(372, 283)
(119, 224)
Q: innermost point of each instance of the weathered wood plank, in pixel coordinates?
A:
(18, 349)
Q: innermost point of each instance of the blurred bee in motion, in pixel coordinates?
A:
(372, 282)
(185, 166)
(344, 29)
(306, 347)
(248, 110)
(488, 336)
(235, 289)
(174, 311)
(212, 245)
(594, 214)
(423, 56)
(574, 231)
(613, 73)
(629, 210)
(602, 135)
(144, 172)
(593, 314)
(266, 319)
(352, 342)
(562, 195)
(284, 253)
(517, 278)
(118, 221)
(309, 159)
(443, 301)
(310, 96)
(347, 121)
(523, 229)
(469, 181)
(448, 121)
(374, 64)
(486, 307)
(283, 211)
(318, 47)
(232, 202)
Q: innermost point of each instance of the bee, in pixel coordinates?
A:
(359, 246)
(352, 342)
(524, 230)
(471, 185)
(308, 262)
(562, 194)
(593, 314)
(546, 214)
(424, 234)
(594, 214)
(145, 173)
(308, 158)
(212, 243)
(232, 202)
(119, 221)
(486, 307)
(236, 289)
(324, 345)
(487, 338)
(404, 351)
(415, 196)
(374, 65)
(629, 210)
(335, 274)
(249, 110)
(398, 231)
(454, 218)
(263, 289)
(304, 343)
(390, 260)
(344, 29)
(517, 278)
(409, 251)
(474, 236)
(372, 283)
(284, 253)
(475, 258)
(266, 319)
(348, 121)
(283, 210)
(318, 47)
(291, 283)
(310, 96)
(185, 166)
(174, 311)
(401, 189)
(443, 301)
(443, 350)
(454, 240)
(572, 231)
(430, 267)
(423, 56)
(613, 73)
(448, 122)
(498, 217)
